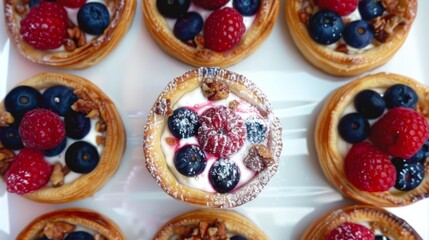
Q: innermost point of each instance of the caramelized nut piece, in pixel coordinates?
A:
(88, 107)
(6, 158)
(6, 119)
(233, 104)
(259, 157)
(163, 107)
(57, 176)
(100, 126)
(58, 230)
(98, 236)
(100, 140)
(214, 90)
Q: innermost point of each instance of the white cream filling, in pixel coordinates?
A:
(195, 99)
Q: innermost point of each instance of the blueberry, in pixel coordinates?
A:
(173, 8)
(256, 130)
(418, 157)
(370, 104)
(44, 238)
(238, 237)
(246, 7)
(400, 95)
(425, 148)
(188, 26)
(59, 99)
(381, 237)
(326, 27)
(224, 175)
(358, 34)
(93, 18)
(408, 175)
(57, 150)
(353, 128)
(22, 99)
(190, 160)
(77, 124)
(79, 235)
(82, 157)
(10, 138)
(183, 123)
(370, 9)
(33, 3)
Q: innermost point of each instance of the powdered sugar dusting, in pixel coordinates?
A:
(244, 89)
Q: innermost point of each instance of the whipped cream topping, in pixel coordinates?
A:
(196, 101)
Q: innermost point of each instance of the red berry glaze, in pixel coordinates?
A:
(349, 230)
(45, 26)
(28, 172)
(369, 169)
(72, 3)
(210, 4)
(401, 132)
(223, 29)
(41, 129)
(221, 131)
(342, 7)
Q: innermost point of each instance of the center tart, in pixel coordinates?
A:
(210, 33)
(210, 224)
(360, 222)
(61, 138)
(211, 139)
(352, 37)
(371, 138)
(71, 223)
(71, 34)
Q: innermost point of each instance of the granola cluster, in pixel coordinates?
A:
(204, 231)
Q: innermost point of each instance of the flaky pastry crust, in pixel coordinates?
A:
(236, 223)
(113, 148)
(377, 218)
(79, 217)
(122, 14)
(155, 159)
(327, 139)
(203, 57)
(342, 64)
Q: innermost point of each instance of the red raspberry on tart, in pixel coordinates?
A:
(29, 172)
(349, 230)
(72, 3)
(342, 7)
(210, 4)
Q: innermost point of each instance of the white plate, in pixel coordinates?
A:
(134, 74)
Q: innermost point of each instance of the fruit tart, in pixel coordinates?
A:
(361, 222)
(69, 34)
(349, 37)
(211, 139)
(216, 33)
(71, 223)
(210, 224)
(372, 140)
(61, 138)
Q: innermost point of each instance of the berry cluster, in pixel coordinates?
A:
(392, 151)
(327, 27)
(45, 26)
(224, 27)
(220, 132)
(44, 124)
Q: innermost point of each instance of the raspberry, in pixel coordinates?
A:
(223, 29)
(341, 7)
(401, 132)
(369, 169)
(72, 3)
(28, 172)
(210, 4)
(221, 131)
(41, 129)
(349, 230)
(45, 26)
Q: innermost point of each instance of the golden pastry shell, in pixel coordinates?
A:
(156, 162)
(81, 57)
(203, 57)
(110, 158)
(86, 218)
(327, 137)
(390, 225)
(341, 64)
(235, 223)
